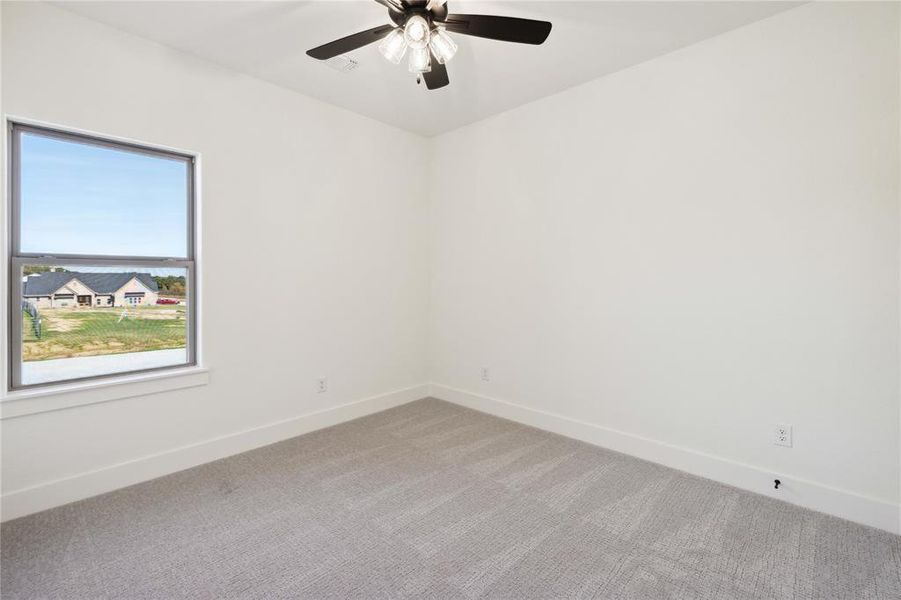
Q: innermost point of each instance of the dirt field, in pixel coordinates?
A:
(69, 332)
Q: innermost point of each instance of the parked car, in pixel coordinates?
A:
(167, 301)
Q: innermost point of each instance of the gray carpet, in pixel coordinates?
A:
(430, 500)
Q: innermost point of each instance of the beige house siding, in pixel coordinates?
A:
(41, 301)
(135, 287)
(101, 300)
(74, 288)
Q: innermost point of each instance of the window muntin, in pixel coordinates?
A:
(91, 326)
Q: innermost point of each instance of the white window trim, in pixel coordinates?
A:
(19, 403)
(58, 397)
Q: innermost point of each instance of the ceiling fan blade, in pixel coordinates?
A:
(437, 77)
(394, 5)
(351, 42)
(505, 29)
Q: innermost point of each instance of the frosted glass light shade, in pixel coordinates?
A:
(416, 32)
(442, 45)
(393, 46)
(419, 61)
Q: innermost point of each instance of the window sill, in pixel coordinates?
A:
(60, 397)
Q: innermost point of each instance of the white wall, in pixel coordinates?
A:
(676, 257)
(299, 204)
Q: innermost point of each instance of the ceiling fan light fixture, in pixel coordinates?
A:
(442, 45)
(421, 27)
(419, 61)
(394, 46)
(416, 32)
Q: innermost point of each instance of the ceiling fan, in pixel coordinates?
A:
(421, 26)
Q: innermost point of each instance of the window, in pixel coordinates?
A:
(102, 269)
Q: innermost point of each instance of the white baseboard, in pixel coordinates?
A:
(18, 503)
(809, 494)
(841, 503)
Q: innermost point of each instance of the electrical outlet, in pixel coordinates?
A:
(486, 376)
(322, 385)
(782, 435)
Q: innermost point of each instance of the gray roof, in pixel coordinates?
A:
(44, 284)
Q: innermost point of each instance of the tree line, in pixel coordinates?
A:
(33, 269)
(171, 284)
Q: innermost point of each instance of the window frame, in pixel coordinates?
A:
(18, 259)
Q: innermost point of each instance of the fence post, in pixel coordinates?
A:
(32, 310)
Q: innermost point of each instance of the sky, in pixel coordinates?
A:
(84, 199)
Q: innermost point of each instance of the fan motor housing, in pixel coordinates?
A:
(439, 13)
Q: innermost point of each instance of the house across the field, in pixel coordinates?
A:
(72, 289)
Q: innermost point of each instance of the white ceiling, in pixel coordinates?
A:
(268, 40)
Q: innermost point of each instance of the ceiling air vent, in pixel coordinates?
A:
(342, 63)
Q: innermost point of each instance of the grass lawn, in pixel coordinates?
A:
(69, 332)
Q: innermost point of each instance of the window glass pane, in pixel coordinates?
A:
(79, 198)
(83, 321)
